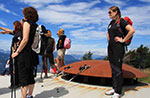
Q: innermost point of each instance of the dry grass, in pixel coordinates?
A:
(147, 79)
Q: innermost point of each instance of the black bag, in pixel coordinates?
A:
(44, 41)
(50, 45)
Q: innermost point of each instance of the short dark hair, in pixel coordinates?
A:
(30, 13)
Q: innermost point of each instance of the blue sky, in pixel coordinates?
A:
(84, 21)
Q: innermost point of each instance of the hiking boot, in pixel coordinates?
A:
(110, 92)
(116, 95)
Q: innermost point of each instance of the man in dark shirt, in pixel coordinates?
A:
(48, 53)
(60, 48)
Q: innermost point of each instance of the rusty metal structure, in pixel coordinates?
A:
(101, 68)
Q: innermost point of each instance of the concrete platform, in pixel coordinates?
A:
(46, 88)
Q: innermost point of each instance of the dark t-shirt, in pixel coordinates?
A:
(113, 30)
(50, 45)
(17, 37)
(62, 38)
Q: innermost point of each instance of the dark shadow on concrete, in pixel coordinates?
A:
(6, 90)
(55, 93)
(40, 79)
(130, 84)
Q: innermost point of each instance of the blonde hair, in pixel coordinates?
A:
(61, 31)
(118, 15)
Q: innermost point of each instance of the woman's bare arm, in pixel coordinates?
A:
(7, 30)
(24, 41)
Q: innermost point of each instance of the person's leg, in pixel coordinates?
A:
(110, 57)
(51, 61)
(44, 62)
(116, 65)
(59, 54)
(7, 71)
(31, 88)
(24, 91)
(62, 57)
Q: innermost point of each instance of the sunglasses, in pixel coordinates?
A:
(109, 12)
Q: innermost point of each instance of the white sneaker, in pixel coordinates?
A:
(116, 95)
(110, 92)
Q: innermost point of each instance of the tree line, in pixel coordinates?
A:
(138, 58)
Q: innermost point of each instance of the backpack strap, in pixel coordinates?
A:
(120, 30)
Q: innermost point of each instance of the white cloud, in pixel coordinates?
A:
(2, 23)
(69, 26)
(143, 32)
(139, 14)
(88, 33)
(39, 3)
(145, 0)
(86, 48)
(116, 2)
(2, 7)
(140, 17)
(5, 44)
(74, 14)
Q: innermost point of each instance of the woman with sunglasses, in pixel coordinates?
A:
(116, 49)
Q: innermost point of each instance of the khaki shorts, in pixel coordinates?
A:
(61, 53)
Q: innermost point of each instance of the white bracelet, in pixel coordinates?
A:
(122, 41)
(18, 51)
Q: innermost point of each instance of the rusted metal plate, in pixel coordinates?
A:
(101, 68)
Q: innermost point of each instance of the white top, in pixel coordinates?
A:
(7, 66)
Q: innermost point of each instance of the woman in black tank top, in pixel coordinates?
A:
(24, 53)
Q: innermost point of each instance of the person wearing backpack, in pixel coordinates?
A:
(60, 48)
(48, 53)
(116, 49)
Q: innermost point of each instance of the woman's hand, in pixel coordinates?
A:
(2, 32)
(119, 39)
(14, 55)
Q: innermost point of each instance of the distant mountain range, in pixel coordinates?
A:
(69, 58)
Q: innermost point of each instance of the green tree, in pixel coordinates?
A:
(87, 56)
(139, 58)
(106, 58)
